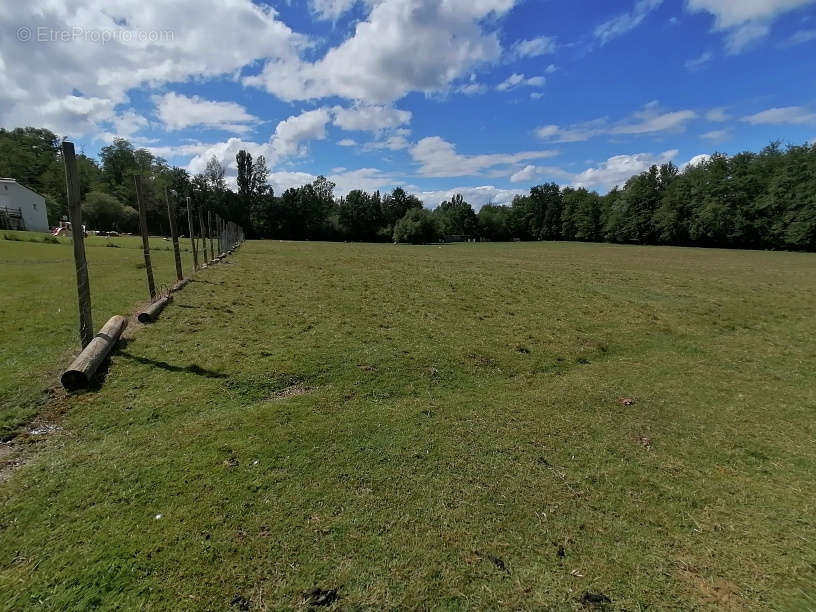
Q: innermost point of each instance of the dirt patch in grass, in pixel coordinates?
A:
(718, 592)
(291, 391)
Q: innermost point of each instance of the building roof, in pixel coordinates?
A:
(11, 180)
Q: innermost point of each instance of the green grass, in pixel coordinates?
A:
(38, 312)
(434, 427)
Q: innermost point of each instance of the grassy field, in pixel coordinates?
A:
(38, 312)
(381, 427)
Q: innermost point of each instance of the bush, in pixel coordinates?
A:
(102, 211)
(418, 226)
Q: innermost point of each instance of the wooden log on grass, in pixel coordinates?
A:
(179, 285)
(80, 372)
(151, 313)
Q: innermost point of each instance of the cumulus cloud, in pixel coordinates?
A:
(696, 160)
(744, 21)
(649, 120)
(289, 140)
(367, 179)
(534, 47)
(177, 112)
(438, 157)
(297, 129)
(177, 46)
(370, 118)
(475, 196)
(625, 22)
(617, 170)
(519, 80)
(402, 46)
(531, 173)
(790, 115)
(395, 141)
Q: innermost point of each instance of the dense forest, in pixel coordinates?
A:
(764, 200)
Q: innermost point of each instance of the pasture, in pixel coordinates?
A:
(362, 426)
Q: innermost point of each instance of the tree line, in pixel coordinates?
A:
(764, 200)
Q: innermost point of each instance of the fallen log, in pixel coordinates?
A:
(80, 372)
(179, 285)
(151, 313)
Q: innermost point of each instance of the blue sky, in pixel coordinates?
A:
(484, 97)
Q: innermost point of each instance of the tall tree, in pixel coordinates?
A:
(456, 217)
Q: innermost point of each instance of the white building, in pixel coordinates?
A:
(19, 203)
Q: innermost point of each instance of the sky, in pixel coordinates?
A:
(480, 97)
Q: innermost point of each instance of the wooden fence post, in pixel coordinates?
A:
(203, 235)
(171, 213)
(209, 232)
(86, 333)
(192, 235)
(151, 285)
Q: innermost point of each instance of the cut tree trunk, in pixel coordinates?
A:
(151, 313)
(80, 372)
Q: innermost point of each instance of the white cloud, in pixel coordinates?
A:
(626, 22)
(438, 157)
(286, 142)
(527, 173)
(717, 114)
(347, 142)
(281, 181)
(532, 173)
(179, 46)
(473, 89)
(617, 170)
(187, 149)
(475, 196)
(534, 47)
(396, 141)
(648, 120)
(297, 129)
(370, 118)
(177, 111)
(403, 46)
(716, 135)
(367, 179)
(800, 37)
(330, 10)
(744, 21)
(791, 115)
(699, 61)
(519, 80)
(696, 160)
(128, 123)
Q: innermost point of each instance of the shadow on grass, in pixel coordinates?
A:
(189, 369)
